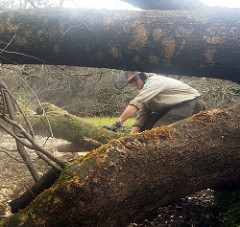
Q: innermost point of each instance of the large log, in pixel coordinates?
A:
(63, 125)
(197, 43)
(125, 179)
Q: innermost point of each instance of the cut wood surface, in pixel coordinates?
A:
(120, 182)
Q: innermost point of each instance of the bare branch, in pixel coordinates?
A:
(17, 127)
(30, 56)
(11, 133)
(31, 3)
(12, 62)
(48, 126)
(2, 149)
(8, 43)
(47, 161)
(39, 103)
(34, 144)
(3, 102)
(19, 108)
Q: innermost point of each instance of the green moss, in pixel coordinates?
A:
(164, 132)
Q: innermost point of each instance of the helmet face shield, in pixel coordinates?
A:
(124, 79)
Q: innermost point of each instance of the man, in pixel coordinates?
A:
(161, 101)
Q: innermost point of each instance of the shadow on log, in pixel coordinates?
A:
(46, 181)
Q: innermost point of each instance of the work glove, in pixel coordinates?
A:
(114, 127)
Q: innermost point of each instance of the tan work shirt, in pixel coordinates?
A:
(160, 92)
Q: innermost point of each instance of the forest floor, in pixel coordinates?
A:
(194, 210)
(197, 210)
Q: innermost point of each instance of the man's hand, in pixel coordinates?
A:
(135, 129)
(114, 127)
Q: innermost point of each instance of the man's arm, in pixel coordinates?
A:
(128, 112)
(141, 118)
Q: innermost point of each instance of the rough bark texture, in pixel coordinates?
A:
(46, 181)
(197, 43)
(166, 4)
(69, 127)
(127, 178)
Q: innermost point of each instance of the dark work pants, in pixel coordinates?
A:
(175, 113)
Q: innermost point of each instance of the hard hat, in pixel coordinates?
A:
(125, 78)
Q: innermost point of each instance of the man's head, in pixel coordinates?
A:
(131, 77)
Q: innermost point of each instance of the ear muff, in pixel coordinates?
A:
(143, 76)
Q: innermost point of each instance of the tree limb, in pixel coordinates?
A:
(202, 43)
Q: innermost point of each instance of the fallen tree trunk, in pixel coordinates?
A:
(46, 181)
(201, 43)
(125, 179)
(83, 135)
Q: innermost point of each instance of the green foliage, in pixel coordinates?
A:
(229, 203)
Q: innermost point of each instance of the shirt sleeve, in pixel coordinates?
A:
(141, 118)
(143, 112)
(137, 101)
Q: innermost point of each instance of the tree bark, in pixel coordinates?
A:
(166, 4)
(46, 181)
(125, 179)
(201, 43)
(71, 128)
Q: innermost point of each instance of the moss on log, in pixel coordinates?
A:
(122, 181)
(69, 127)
